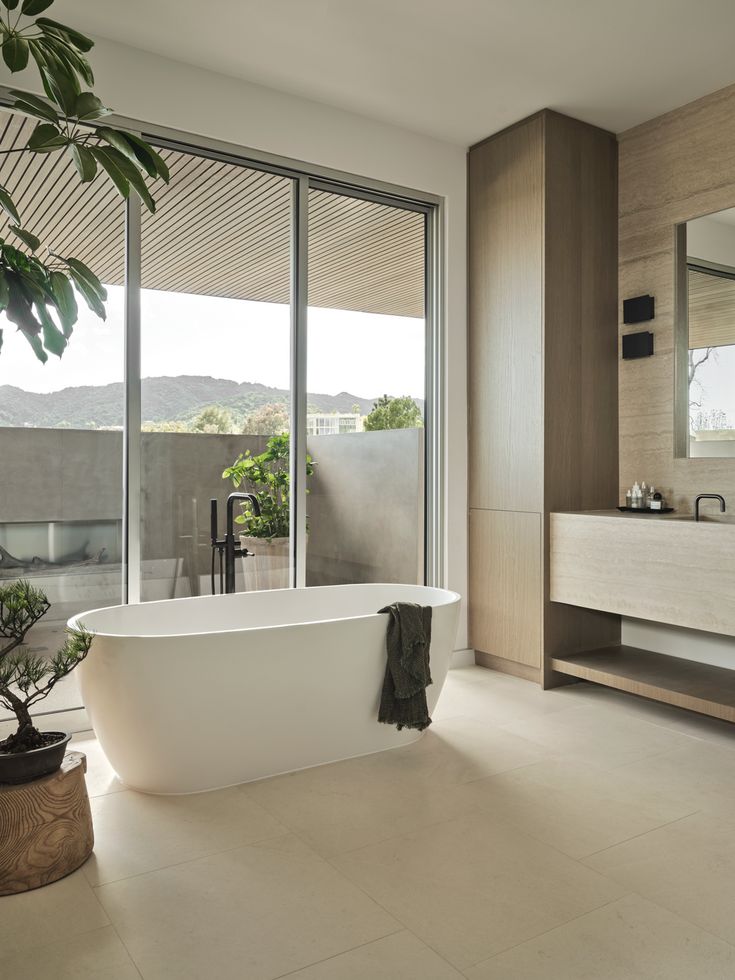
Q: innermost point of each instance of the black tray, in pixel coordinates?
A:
(646, 510)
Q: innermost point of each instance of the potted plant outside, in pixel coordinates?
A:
(266, 536)
(27, 679)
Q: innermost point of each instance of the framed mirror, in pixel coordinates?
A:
(705, 336)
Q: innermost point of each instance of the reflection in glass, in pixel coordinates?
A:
(711, 334)
(365, 384)
(215, 342)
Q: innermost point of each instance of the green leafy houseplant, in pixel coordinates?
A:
(25, 677)
(38, 295)
(267, 475)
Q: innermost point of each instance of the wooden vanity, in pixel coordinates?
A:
(665, 568)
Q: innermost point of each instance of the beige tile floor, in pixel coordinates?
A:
(563, 835)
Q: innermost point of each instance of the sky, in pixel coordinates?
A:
(713, 383)
(363, 353)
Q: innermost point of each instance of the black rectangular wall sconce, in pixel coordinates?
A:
(638, 309)
(637, 345)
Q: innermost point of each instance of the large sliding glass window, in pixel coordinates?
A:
(257, 311)
(215, 367)
(61, 439)
(366, 356)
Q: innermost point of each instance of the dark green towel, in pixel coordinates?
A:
(407, 673)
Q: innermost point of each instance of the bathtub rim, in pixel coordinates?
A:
(78, 620)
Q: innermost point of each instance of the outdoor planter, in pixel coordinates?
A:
(267, 567)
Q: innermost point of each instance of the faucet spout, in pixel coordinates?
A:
(231, 549)
(708, 496)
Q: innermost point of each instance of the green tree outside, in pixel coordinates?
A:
(394, 413)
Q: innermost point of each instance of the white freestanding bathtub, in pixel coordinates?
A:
(188, 695)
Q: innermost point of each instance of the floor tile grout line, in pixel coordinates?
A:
(198, 857)
(685, 918)
(653, 830)
(472, 965)
(334, 956)
(25, 950)
(581, 859)
(132, 959)
(560, 925)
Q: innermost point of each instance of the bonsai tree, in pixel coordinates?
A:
(38, 294)
(25, 677)
(267, 475)
(394, 413)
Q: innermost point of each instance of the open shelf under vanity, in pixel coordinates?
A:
(685, 683)
(669, 570)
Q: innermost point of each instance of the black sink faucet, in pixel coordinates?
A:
(708, 496)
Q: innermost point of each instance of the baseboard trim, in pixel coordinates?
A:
(508, 667)
(462, 658)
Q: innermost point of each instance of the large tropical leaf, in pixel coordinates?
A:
(32, 105)
(73, 61)
(59, 82)
(6, 203)
(53, 339)
(4, 290)
(15, 52)
(84, 161)
(87, 283)
(88, 106)
(80, 41)
(137, 151)
(66, 302)
(32, 241)
(123, 173)
(33, 7)
(46, 138)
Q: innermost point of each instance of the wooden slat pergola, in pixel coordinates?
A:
(221, 229)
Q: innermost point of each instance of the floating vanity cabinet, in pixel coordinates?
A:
(542, 378)
(663, 568)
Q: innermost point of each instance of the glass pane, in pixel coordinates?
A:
(366, 371)
(215, 334)
(61, 422)
(711, 362)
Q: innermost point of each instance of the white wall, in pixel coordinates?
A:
(704, 648)
(711, 240)
(151, 89)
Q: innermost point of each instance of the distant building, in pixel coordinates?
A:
(334, 424)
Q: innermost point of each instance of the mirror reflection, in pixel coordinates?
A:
(710, 355)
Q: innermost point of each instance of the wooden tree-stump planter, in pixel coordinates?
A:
(45, 827)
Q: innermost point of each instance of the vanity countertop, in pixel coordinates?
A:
(652, 517)
(661, 567)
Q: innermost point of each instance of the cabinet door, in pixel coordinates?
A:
(506, 585)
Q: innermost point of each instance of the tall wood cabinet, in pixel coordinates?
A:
(542, 378)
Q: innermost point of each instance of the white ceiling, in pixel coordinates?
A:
(454, 69)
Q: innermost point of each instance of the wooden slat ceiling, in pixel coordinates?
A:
(711, 310)
(221, 230)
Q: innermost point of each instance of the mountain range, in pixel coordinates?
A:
(163, 399)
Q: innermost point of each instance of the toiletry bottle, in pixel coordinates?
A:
(657, 500)
(644, 495)
(628, 499)
(635, 496)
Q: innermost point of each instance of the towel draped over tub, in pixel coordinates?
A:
(407, 672)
